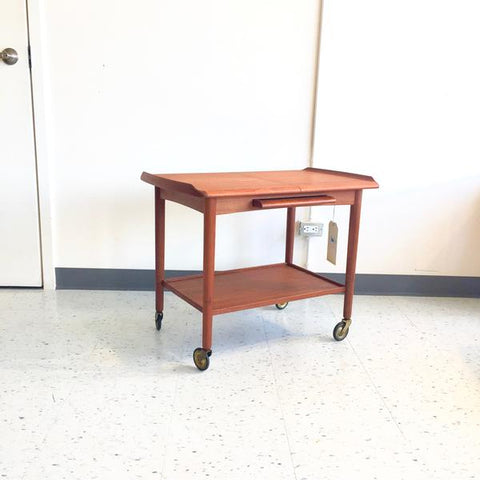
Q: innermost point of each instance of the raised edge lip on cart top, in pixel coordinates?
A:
(268, 182)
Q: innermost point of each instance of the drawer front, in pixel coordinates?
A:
(245, 204)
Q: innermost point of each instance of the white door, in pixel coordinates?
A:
(20, 257)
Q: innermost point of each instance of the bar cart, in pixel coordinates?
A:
(215, 194)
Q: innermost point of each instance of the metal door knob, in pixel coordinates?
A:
(9, 56)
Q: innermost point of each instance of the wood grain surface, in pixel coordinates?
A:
(254, 287)
(237, 184)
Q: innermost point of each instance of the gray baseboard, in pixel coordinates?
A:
(366, 284)
(109, 278)
(413, 285)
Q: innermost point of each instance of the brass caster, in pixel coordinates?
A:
(341, 329)
(281, 306)
(158, 320)
(201, 358)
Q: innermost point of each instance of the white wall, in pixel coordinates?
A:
(212, 86)
(399, 99)
(170, 86)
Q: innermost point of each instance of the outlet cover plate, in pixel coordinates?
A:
(310, 229)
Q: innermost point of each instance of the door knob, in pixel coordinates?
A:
(9, 56)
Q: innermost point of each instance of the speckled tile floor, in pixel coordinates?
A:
(90, 390)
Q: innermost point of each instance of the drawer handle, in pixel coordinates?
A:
(293, 202)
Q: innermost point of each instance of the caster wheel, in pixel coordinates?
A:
(340, 331)
(281, 306)
(201, 358)
(158, 320)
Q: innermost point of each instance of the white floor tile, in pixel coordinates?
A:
(89, 389)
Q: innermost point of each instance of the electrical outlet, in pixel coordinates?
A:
(310, 229)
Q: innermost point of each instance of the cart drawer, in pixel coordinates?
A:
(293, 201)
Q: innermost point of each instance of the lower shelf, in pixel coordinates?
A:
(254, 287)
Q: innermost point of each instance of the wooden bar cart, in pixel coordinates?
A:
(219, 193)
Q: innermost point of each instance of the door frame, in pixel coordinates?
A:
(43, 143)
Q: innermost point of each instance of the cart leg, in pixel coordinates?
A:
(290, 235)
(201, 355)
(208, 270)
(341, 329)
(159, 256)
(289, 242)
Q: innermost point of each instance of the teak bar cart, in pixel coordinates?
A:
(227, 291)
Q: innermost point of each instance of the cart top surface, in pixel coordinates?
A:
(236, 184)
